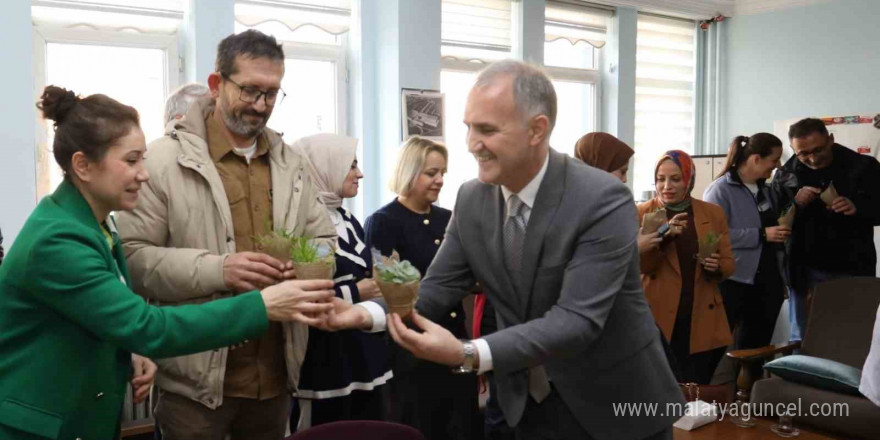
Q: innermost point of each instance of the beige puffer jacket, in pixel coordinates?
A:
(181, 232)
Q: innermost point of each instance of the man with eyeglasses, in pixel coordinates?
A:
(220, 178)
(828, 240)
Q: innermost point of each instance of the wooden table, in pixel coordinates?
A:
(725, 430)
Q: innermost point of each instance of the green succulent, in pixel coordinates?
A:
(398, 272)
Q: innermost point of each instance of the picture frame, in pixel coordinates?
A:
(422, 114)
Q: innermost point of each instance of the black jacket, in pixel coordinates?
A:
(822, 239)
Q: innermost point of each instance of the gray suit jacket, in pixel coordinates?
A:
(577, 307)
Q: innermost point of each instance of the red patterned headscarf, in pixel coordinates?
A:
(688, 171)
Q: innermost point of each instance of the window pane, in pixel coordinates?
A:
(665, 93)
(562, 53)
(462, 166)
(574, 116)
(110, 70)
(310, 105)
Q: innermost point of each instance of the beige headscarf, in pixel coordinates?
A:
(330, 157)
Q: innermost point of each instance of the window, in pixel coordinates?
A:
(125, 49)
(313, 34)
(665, 92)
(573, 37)
(473, 33)
(462, 166)
(478, 30)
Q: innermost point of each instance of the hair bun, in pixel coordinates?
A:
(56, 103)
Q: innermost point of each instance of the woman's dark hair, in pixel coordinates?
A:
(89, 124)
(742, 147)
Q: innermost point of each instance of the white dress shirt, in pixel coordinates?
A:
(527, 195)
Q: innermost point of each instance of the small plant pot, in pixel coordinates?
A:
(787, 219)
(314, 271)
(829, 195)
(652, 221)
(707, 249)
(401, 298)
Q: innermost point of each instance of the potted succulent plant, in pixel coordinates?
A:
(398, 281)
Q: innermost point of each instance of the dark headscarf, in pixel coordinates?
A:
(603, 151)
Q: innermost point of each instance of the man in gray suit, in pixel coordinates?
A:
(553, 241)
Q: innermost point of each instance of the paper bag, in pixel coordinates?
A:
(829, 195)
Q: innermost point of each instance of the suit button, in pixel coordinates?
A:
(437, 241)
(453, 314)
(99, 395)
(711, 306)
(427, 222)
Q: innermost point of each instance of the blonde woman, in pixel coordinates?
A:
(424, 395)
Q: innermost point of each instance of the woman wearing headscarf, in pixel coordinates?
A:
(605, 152)
(342, 371)
(681, 288)
(610, 154)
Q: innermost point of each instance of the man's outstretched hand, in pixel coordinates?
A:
(434, 343)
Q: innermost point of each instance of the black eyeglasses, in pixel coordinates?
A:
(818, 151)
(251, 95)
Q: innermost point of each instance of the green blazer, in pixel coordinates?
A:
(69, 323)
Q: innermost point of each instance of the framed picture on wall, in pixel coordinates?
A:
(422, 114)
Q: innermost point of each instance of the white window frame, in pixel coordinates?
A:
(332, 53)
(583, 76)
(84, 34)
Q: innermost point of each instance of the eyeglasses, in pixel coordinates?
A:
(815, 152)
(251, 95)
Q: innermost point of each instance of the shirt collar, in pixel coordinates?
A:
(530, 191)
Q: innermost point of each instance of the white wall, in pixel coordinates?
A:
(18, 187)
(820, 60)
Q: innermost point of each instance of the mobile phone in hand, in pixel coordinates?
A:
(663, 230)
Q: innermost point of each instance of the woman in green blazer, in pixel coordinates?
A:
(68, 322)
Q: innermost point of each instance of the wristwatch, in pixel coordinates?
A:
(470, 358)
